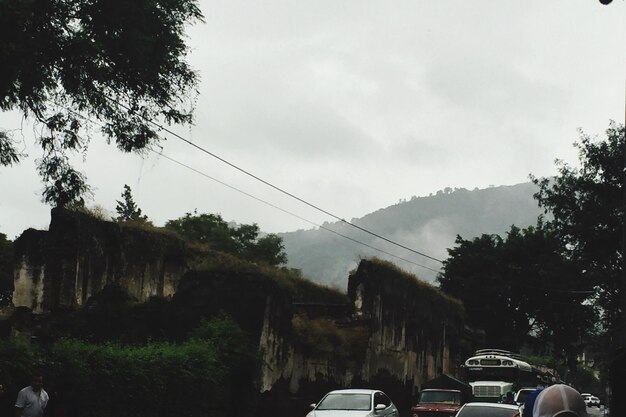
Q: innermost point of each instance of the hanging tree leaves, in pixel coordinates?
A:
(65, 62)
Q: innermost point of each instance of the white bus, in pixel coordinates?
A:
(494, 372)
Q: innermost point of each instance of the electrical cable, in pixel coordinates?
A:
(273, 205)
(232, 165)
(288, 212)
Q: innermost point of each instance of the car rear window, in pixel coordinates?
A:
(345, 402)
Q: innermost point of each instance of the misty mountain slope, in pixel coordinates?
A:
(426, 224)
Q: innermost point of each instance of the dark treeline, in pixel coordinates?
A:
(554, 287)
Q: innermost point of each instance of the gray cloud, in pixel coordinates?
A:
(357, 104)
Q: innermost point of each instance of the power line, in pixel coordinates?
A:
(274, 186)
(272, 205)
(288, 212)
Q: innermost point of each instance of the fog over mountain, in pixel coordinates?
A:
(425, 224)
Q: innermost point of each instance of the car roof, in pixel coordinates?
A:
(494, 405)
(353, 391)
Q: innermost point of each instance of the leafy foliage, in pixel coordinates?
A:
(153, 379)
(117, 62)
(127, 209)
(521, 285)
(555, 279)
(588, 208)
(243, 240)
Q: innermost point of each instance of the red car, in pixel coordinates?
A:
(437, 403)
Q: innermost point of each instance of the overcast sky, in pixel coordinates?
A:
(353, 105)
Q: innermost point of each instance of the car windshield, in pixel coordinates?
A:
(487, 412)
(345, 402)
(443, 397)
(522, 395)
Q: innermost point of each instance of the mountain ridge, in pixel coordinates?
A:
(426, 224)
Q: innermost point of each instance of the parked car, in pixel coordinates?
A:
(489, 410)
(522, 394)
(592, 401)
(354, 403)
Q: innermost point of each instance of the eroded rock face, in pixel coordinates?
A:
(407, 330)
(411, 335)
(80, 255)
(29, 273)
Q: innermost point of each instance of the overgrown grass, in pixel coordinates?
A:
(423, 305)
(322, 337)
(204, 258)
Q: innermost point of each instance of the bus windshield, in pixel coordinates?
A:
(492, 374)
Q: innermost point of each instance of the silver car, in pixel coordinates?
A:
(354, 403)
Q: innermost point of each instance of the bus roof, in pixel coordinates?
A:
(497, 352)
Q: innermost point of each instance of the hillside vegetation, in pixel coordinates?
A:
(427, 224)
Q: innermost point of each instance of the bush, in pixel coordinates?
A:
(210, 374)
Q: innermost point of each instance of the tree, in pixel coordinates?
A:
(587, 207)
(67, 63)
(128, 209)
(243, 240)
(269, 248)
(204, 228)
(520, 286)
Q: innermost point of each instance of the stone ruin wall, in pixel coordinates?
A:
(80, 255)
(406, 345)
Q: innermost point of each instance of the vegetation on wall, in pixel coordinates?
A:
(424, 304)
(346, 345)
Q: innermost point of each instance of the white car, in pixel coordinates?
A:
(522, 394)
(354, 403)
(489, 410)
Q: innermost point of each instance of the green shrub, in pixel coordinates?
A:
(211, 374)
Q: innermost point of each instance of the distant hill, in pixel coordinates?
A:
(426, 224)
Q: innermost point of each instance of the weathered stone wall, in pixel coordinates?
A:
(409, 329)
(412, 330)
(29, 275)
(80, 255)
(413, 325)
